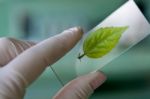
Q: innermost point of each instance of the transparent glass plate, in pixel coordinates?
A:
(128, 14)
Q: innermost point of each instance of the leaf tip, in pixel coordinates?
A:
(125, 27)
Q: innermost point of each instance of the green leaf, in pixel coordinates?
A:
(100, 42)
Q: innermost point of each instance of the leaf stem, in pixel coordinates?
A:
(80, 56)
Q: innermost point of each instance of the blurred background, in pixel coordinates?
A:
(128, 75)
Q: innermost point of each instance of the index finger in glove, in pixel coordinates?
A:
(31, 63)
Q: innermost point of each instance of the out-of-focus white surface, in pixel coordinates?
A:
(126, 15)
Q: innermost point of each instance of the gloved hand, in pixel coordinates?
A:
(21, 62)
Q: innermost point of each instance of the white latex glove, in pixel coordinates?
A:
(21, 62)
